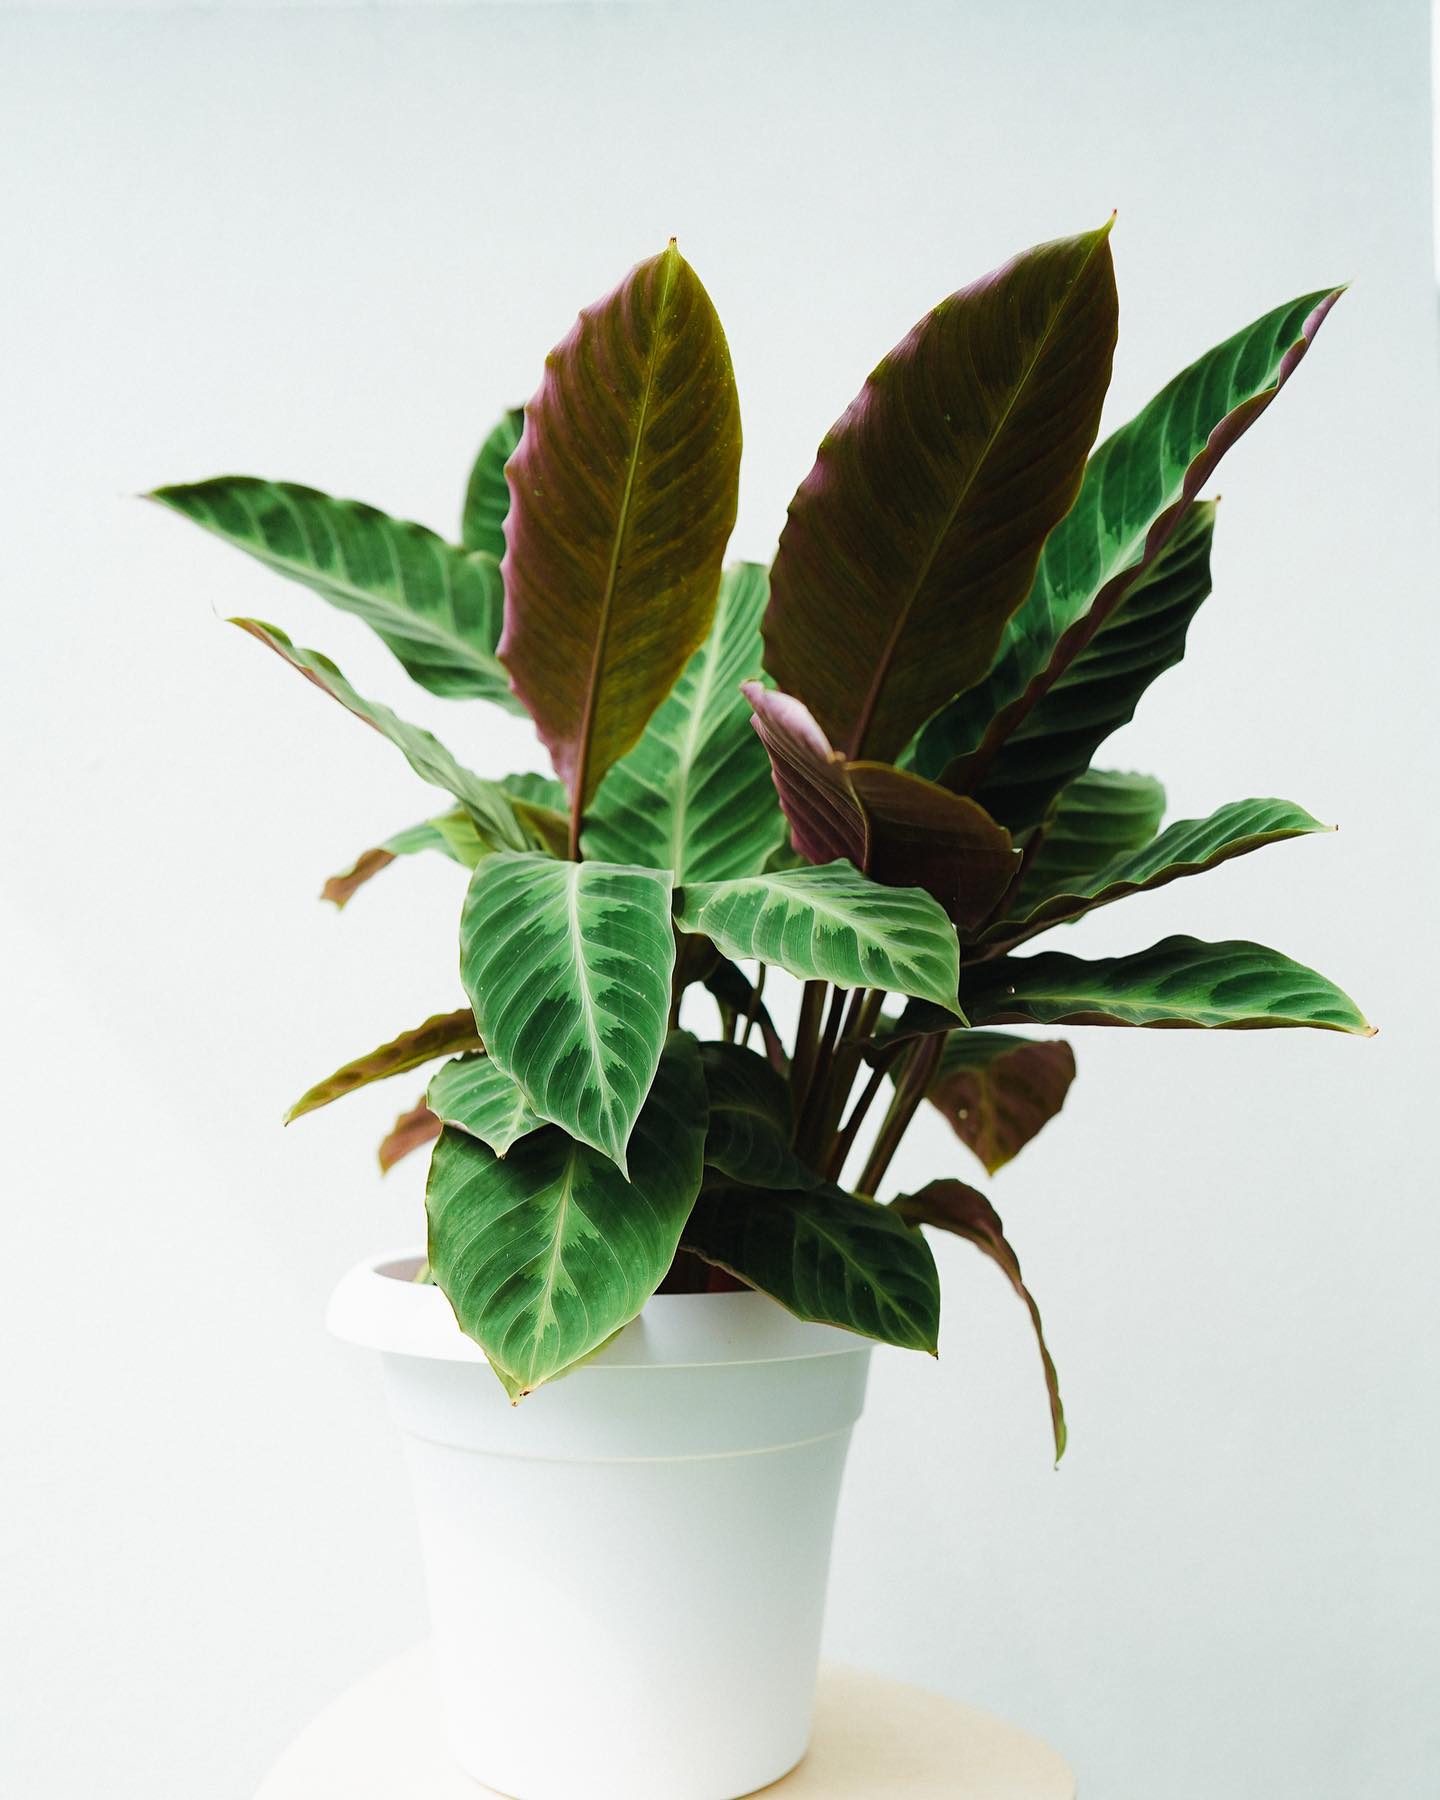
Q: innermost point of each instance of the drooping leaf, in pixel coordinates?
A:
(750, 1122)
(486, 801)
(1136, 489)
(826, 1256)
(733, 990)
(487, 498)
(830, 924)
(1188, 847)
(916, 534)
(951, 1206)
(474, 1094)
(1179, 981)
(568, 968)
(1094, 820)
(441, 1035)
(438, 609)
(895, 828)
(1099, 691)
(545, 1254)
(998, 1091)
(455, 835)
(694, 795)
(411, 1131)
(623, 494)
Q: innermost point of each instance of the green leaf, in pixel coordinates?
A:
(951, 1206)
(917, 532)
(487, 498)
(695, 794)
(1136, 489)
(1180, 981)
(1094, 820)
(826, 1256)
(830, 924)
(894, 827)
(568, 968)
(547, 1253)
(474, 1094)
(486, 801)
(441, 1035)
(454, 834)
(411, 1131)
(438, 609)
(623, 495)
(1188, 847)
(1099, 691)
(998, 1091)
(750, 1122)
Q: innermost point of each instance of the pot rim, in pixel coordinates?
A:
(378, 1307)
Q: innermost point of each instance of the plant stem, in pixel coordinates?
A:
(846, 1140)
(807, 1043)
(909, 1092)
(811, 1130)
(752, 1011)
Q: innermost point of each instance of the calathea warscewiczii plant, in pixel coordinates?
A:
(966, 601)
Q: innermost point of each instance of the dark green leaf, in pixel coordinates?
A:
(547, 1253)
(750, 1122)
(916, 535)
(568, 968)
(1096, 819)
(695, 795)
(439, 1036)
(487, 498)
(825, 1256)
(951, 1206)
(437, 608)
(1179, 981)
(623, 494)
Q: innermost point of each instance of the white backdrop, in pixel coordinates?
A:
(330, 246)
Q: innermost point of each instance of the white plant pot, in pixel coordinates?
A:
(626, 1572)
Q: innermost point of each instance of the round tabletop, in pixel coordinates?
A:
(381, 1741)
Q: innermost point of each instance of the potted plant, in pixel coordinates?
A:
(867, 767)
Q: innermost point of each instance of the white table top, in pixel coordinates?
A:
(873, 1738)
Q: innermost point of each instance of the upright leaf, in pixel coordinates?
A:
(487, 497)
(830, 924)
(825, 1256)
(568, 968)
(547, 1253)
(951, 1206)
(441, 1035)
(750, 1122)
(1095, 819)
(623, 494)
(998, 1091)
(694, 795)
(474, 1094)
(895, 828)
(1136, 489)
(1179, 981)
(916, 534)
(486, 801)
(435, 607)
(1188, 847)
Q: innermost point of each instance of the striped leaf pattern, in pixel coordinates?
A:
(486, 801)
(954, 1207)
(568, 968)
(1100, 816)
(487, 496)
(825, 1256)
(1136, 489)
(546, 1253)
(438, 609)
(1180, 981)
(998, 1091)
(474, 1094)
(694, 795)
(623, 494)
(750, 1123)
(441, 1035)
(917, 532)
(830, 924)
(1188, 847)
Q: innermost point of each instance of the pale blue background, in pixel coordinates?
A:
(330, 245)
